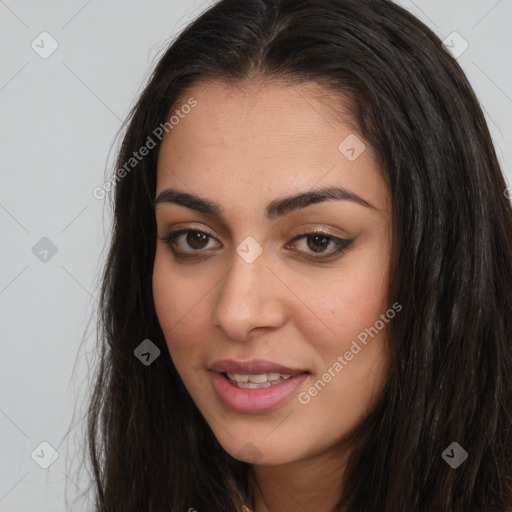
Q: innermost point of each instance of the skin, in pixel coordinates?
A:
(243, 146)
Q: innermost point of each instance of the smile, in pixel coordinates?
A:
(258, 381)
(255, 397)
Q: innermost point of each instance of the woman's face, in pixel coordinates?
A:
(286, 295)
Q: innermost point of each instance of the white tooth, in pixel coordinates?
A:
(273, 376)
(258, 379)
(285, 376)
(253, 385)
(238, 377)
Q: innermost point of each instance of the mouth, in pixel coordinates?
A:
(257, 381)
(254, 386)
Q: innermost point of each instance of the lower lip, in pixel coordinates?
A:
(254, 401)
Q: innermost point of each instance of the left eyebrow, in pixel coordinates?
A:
(276, 208)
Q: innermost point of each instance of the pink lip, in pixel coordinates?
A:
(254, 401)
(252, 367)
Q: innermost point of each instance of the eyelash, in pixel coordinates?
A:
(341, 243)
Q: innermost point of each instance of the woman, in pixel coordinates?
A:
(307, 302)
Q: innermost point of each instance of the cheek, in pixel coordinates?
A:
(179, 302)
(363, 295)
(339, 308)
(351, 368)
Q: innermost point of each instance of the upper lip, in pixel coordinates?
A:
(252, 367)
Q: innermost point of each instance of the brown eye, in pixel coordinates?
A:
(317, 243)
(197, 239)
(185, 242)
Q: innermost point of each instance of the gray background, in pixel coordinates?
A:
(59, 119)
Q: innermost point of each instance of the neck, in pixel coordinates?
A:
(308, 485)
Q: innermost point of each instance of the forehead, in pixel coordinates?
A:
(265, 138)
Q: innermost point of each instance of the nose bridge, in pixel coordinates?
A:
(245, 298)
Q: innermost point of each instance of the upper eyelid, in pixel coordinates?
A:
(183, 231)
(311, 231)
(308, 229)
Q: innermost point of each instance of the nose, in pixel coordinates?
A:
(249, 298)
